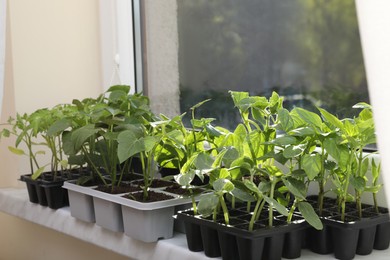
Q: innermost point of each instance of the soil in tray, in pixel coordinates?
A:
(155, 183)
(177, 189)
(123, 188)
(153, 196)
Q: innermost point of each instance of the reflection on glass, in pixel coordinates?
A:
(309, 51)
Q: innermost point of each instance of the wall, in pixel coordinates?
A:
(52, 56)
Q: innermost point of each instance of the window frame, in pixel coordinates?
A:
(3, 13)
(121, 43)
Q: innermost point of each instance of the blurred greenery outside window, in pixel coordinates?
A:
(309, 51)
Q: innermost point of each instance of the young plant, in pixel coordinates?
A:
(105, 119)
(347, 150)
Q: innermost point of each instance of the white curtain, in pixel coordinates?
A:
(374, 25)
(2, 49)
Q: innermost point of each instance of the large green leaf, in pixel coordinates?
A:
(359, 183)
(333, 120)
(284, 140)
(310, 215)
(296, 187)
(292, 151)
(311, 163)
(286, 121)
(309, 117)
(252, 187)
(223, 185)
(243, 195)
(276, 205)
(80, 135)
(58, 127)
(185, 179)
(129, 145)
(207, 204)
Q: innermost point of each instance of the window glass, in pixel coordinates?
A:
(309, 51)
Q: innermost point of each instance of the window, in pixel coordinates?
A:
(121, 43)
(309, 51)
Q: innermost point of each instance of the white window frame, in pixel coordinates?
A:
(121, 49)
(3, 13)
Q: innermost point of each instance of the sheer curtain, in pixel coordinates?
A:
(2, 48)
(374, 24)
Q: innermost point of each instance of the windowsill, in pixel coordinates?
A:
(15, 202)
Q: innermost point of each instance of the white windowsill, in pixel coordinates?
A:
(15, 202)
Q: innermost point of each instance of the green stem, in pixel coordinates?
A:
(224, 210)
(292, 210)
(195, 209)
(271, 208)
(253, 218)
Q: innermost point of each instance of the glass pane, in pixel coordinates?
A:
(309, 51)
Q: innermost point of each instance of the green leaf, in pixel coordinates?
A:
(219, 158)
(293, 150)
(242, 195)
(276, 205)
(185, 179)
(286, 121)
(362, 105)
(123, 88)
(310, 215)
(359, 183)
(303, 131)
(311, 163)
(37, 173)
(16, 150)
(333, 120)
(207, 204)
(80, 135)
(284, 140)
(203, 161)
(199, 104)
(223, 185)
(58, 127)
(129, 145)
(296, 187)
(252, 187)
(309, 117)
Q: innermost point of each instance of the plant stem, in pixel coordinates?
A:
(224, 210)
(253, 218)
(271, 208)
(195, 209)
(292, 210)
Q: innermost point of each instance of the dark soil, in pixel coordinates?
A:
(123, 188)
(177, 189)
(156, 183)
(153, 196)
